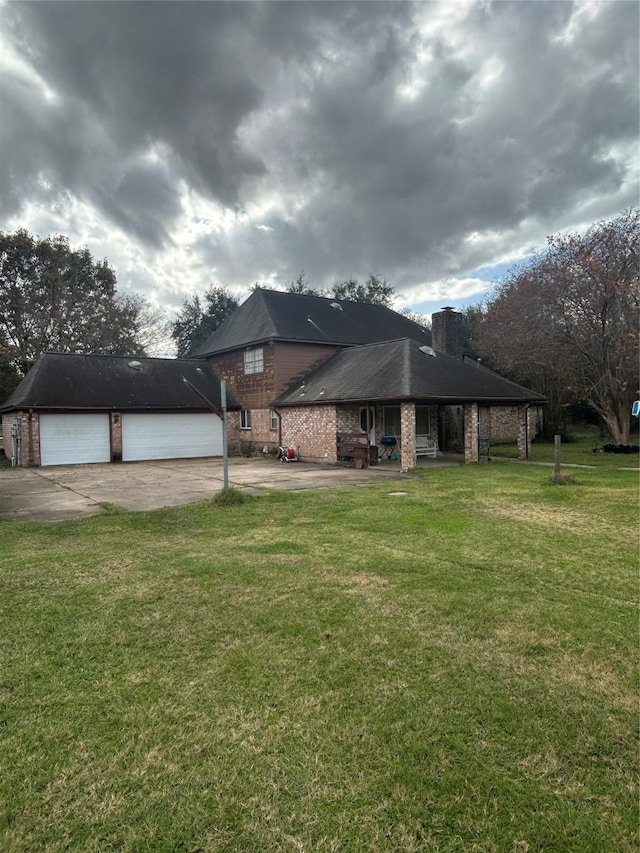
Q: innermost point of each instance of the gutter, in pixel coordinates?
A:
(420, 401)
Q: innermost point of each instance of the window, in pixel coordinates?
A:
(392, 420)
(273, 419)
(253, 360)
(245, 419)
(423, 420)
(367, 419)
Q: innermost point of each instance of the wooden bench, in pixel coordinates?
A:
(354, 447)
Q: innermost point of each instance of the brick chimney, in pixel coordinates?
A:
(446, 328)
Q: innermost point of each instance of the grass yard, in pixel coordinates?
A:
(450, 669)
(576, 452)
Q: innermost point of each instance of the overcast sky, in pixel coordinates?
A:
(201, 143)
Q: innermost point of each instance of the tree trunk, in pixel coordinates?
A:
(618, 426)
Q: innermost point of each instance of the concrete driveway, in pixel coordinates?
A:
(71, 491)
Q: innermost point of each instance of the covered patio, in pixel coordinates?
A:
(401, 402)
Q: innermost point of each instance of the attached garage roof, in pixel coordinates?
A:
(64, 381)
(403, 370)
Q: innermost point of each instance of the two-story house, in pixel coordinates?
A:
(308, 371)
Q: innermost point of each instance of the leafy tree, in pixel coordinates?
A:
(262, 285)
(567, 322)
(198, 318)
(375, 290)
(9, 376)
(301, 285)
(55, 298)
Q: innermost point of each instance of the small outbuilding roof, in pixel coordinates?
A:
(116, 383)
(270, 315)
(403, 370)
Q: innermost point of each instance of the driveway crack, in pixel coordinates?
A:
(67, 488)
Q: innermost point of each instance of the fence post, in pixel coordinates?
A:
(556, 457)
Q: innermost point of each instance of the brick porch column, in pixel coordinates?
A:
(407, 436)
(471, 432)
(29, 428)
(524, 444)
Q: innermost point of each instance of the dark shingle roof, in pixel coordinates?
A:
(401, 370)
(272, 315)
(73, 381)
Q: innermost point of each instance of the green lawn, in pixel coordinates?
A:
(577, 452)
(450, 669)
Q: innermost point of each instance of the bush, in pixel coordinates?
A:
(230, 497)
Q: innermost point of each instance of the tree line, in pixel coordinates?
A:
(58, 299)
(564, 323)
(199, 316)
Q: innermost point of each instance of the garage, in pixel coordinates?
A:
(74, 439)
(107, 408)
(179, 435)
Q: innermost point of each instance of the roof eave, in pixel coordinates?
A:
(130, 407)
(272, 340)
(449, 401)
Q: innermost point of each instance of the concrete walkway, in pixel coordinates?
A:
(72, 491)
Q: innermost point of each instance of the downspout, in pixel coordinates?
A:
(279, 416)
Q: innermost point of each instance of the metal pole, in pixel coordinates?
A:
(225, 454)
(222, 413)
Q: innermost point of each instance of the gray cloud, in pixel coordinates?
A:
(417, 141)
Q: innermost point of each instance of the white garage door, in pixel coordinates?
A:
(74, 439)
(176, 436)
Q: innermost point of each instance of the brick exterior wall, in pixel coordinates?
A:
(503, 424)
(250, 442)
(408, 437)
(500, 423)
(253, 390)
(33, 433)
(7, 441)
(348, 419)
(233, 433)
(312, 430)
(29, 434)
(471, 423)
(283, 364)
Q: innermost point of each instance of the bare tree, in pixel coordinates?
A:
(154, 330)
(423, 320)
